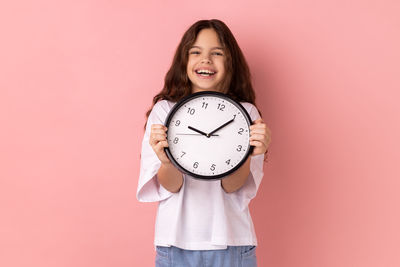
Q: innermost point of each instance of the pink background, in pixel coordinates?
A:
(76, 78)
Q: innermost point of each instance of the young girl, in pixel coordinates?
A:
(203, 223)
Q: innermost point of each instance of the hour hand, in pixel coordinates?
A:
(200, 132)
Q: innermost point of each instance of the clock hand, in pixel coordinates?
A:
(200, 132)
(222, 126)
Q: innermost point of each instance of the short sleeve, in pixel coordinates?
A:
(149, 189)
(249, 190)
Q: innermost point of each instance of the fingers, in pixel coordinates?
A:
(158, 141)
(158, 138)
(259, 126)
(257, 143)
(260, 131)
(260, 136)
(159, 150)
(259, 147)
(157, 134)
(259, 120)
(158, 127)
(264, 136)
(159, 147)
(155, 138)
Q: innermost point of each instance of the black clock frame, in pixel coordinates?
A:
(197, 95)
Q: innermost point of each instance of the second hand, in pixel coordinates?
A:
(194, 134)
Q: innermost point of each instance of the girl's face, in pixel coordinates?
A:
(206, 62)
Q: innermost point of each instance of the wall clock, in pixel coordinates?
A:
(208, 135)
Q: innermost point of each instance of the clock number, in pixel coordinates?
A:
(195, 165)
(239, 148)
(204, 105)
(212, 167)
(240, 131)
(183, 153)
(221, 107)
(228, 161)
(176, 140)
(177, 122)
(191, 111)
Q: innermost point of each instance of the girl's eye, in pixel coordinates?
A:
(198, 53)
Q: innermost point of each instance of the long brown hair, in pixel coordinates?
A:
(237, 82)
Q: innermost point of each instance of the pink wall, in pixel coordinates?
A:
(77, 76)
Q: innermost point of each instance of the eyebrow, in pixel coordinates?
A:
(215, 47)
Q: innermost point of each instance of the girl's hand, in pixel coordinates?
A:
(158, 140)
(260, 137)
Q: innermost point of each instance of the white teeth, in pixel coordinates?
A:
(204, 72)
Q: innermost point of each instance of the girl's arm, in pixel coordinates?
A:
(168, 176)
(260, 138)
(237, 179)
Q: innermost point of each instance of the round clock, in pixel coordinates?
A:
(208, 135)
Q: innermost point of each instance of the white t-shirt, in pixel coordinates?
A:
(201, 216)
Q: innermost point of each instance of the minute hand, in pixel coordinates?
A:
(222, 126)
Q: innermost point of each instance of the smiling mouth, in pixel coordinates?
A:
(205, 73)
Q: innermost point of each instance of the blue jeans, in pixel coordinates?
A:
(233, 256)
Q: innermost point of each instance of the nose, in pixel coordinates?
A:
(206, 60)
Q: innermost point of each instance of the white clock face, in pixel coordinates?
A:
(208, 135)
